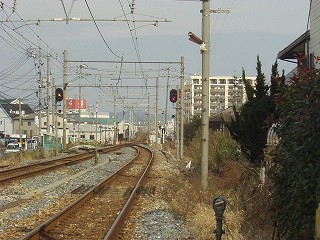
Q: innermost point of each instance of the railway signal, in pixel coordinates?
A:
(59, 95)
(173, 95)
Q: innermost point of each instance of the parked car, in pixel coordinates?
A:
(12, 147)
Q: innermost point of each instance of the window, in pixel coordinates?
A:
(91, 137)
(231, 81)
(45, 123)
(29, 123)
(222, 81)
(59, 124)
(213, 81)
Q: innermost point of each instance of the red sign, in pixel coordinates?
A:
(73, 104)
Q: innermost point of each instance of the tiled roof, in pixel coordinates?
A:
(13, 109)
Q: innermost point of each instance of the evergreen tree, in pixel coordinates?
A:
(190, 128)
(250, 126)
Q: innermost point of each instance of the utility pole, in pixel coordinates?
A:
(48, 93)
(65, 83)
(115, 120)
(148, 119)
(20, 124)
(96, 145)
(40, 97)
(205, 50)
(97, 122)
(53, 105)
(80, 100)
(54, 119)
(205, 92)
(178, 128)
(181, 107)
(156, 110)
(167, 96)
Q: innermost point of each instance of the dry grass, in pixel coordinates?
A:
(247, 215)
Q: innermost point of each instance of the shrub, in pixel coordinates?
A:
(221, 149)
(297, 167)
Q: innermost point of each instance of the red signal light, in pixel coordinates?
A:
(173, 95)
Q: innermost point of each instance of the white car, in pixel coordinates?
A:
(12, 147)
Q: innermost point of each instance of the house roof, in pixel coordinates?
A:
(297, 46)
(226, 114)
(6, 101)
(102, 121)
(13, 109)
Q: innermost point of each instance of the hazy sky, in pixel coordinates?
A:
(253, 27)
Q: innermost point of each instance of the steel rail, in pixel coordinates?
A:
(40, 231)
(121, 218)
(14, 173)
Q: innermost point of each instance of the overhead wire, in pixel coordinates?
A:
(104, 40)
(26, 48)
(134, 40)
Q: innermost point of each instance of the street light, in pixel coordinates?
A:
(194, 38)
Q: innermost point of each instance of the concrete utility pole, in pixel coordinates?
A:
(205, 50)
(205, 92)
(53, 105)
(148, 119)
(178, 127)
(54, 118)
(115, 120)
(167, 99)
(20, 124)
(181, 107)
(97, 122)
(156, 114)
(65, 83)
(40, 97)
(48, 94)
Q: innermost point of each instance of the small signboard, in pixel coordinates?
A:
(73, 104)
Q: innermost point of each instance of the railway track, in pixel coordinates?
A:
(101, 211)
(32, 169)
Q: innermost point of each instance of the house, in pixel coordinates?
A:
(10, 110)
(90, 127)
(305, 50)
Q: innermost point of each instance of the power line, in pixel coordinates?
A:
(95, 23)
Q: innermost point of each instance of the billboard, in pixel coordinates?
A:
(73, 104)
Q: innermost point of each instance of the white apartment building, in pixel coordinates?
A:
(225, 91)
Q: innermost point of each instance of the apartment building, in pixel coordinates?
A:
(225, 91)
